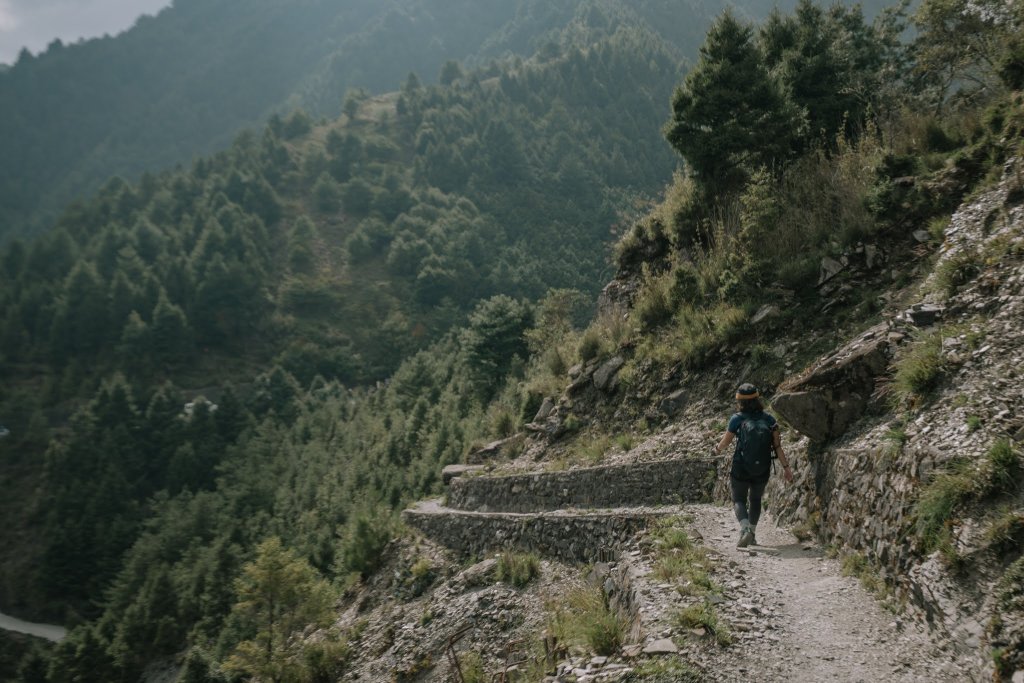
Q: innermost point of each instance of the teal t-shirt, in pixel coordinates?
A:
(734, 426)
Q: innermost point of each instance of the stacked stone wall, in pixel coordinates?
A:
(666, 482)
(567, 537)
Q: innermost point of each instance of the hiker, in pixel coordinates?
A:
(757, 435)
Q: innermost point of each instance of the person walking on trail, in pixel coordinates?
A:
(757, 438)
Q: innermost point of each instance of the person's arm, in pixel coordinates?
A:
(777, 444)
(723, 443)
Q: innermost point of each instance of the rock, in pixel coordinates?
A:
(1018, 676)
(491, 450)
(604, 374)
(829, 269)
(631, 651)
(545, 410)
(922, 315)
(837, 390)
(452, 471)
(479, 574)
(870, 254)
(765, 312)
(575, 370)
(673, 403)
(663, 646)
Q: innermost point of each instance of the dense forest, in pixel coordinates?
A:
(189, 79)
(221, 376)
(184, 83)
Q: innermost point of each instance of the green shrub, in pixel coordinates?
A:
(326, 660)
(973, 423)
(653, 306)
(920, 368)
(472, 666)
(421, 568)
(517, 569)
(705, 616)
(590, 344)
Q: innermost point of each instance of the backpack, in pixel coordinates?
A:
(754, 450)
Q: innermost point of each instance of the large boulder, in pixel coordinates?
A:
(837, 390)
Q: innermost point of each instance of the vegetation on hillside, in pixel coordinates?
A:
(184, 83)
(403, 242)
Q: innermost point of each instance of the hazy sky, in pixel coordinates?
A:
(35, 23)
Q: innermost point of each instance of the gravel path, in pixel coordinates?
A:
(797, 618)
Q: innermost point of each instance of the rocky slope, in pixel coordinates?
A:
(868, 455)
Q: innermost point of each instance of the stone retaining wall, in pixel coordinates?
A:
(567, 537)
(666, 482)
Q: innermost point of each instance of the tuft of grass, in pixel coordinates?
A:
(654, 302)
(679, 558)
(896, 438)
(958, 485)
(1003, 466)
(586, 620)
(973, 423)
(624, 442)
(937, 228)
(933, 512)
(919, 369)
(858, 566)
(809, 528)
(591, 451)
(665, 670)
(590, 345)
(957, 271)
(1005, 534)
(705, 616)
(517, 569)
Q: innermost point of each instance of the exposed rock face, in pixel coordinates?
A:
(837, 391)
(862, 493)
(652, 483)
(604, 376)
(674, 403)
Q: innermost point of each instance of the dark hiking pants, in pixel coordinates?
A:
(744, 492)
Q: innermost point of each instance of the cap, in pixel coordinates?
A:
(746, 392)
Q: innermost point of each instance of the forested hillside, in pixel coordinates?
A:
(304, 254)
(290, 338)
(184, 83)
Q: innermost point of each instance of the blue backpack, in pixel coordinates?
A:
(754, 450)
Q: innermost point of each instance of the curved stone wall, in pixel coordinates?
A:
(665, 482)
(591, 537)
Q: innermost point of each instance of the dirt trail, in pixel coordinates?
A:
(797, 618)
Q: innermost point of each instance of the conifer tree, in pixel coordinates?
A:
(279, 594)
(731, 116)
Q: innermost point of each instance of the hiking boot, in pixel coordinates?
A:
(753, 538)
(746, 538)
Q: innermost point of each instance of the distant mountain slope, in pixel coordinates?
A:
(183, 83)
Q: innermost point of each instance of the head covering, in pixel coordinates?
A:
(746, 392)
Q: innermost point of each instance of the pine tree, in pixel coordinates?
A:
(279, 594)
(730, 116)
